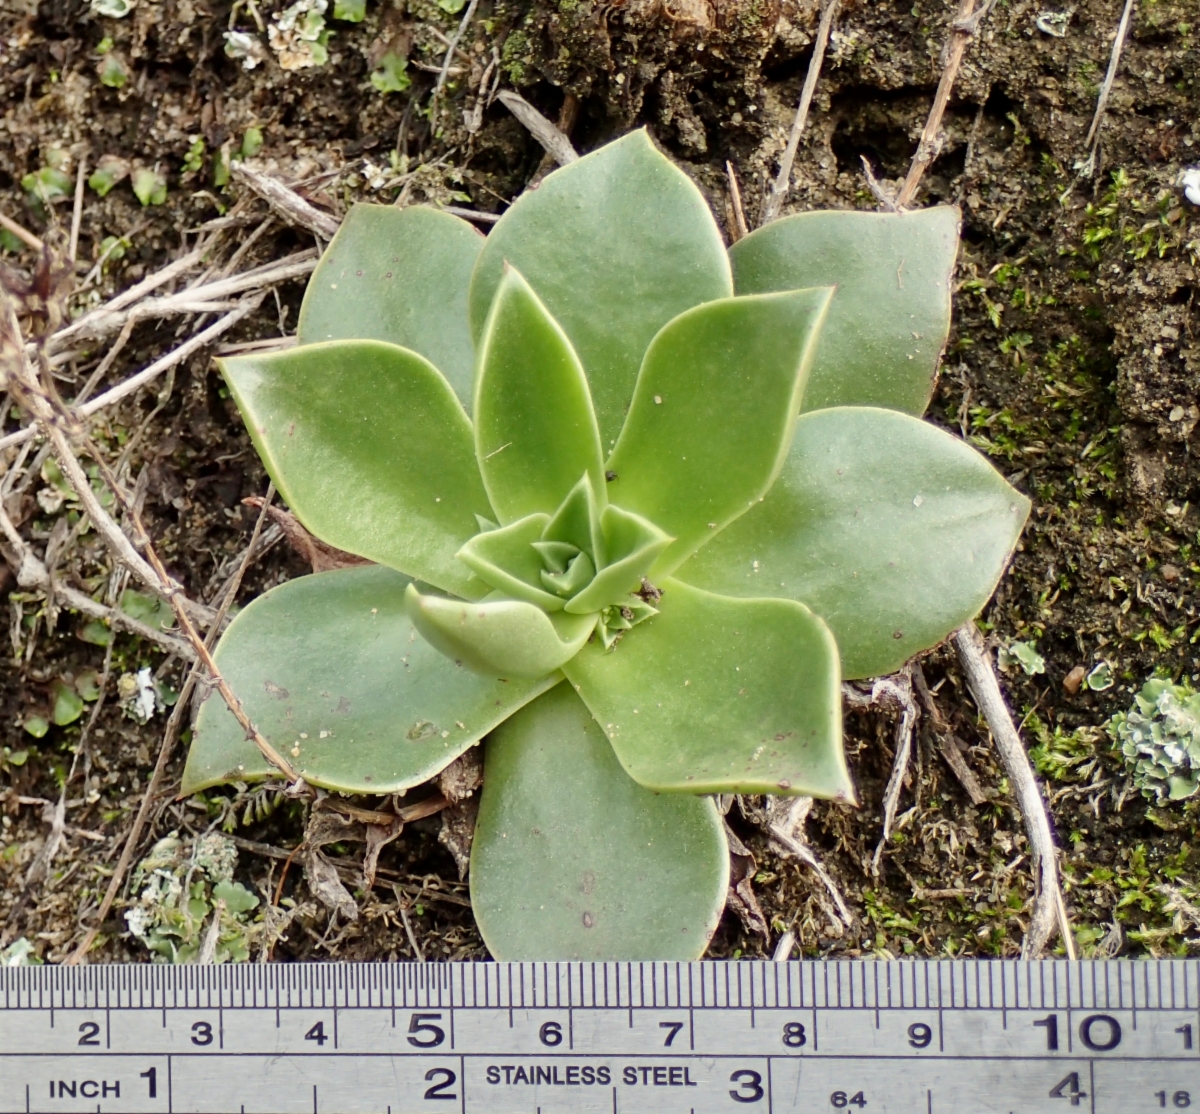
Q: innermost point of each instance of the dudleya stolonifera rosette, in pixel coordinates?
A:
(638, 504)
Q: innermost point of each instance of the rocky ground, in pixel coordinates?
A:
(1073, 363)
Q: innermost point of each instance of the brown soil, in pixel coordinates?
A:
(1073, 363)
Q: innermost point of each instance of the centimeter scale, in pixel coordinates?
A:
(930, 1037)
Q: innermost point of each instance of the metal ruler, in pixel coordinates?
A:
(930, 1037)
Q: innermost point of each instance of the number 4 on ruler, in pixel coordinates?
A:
(1069, 1089)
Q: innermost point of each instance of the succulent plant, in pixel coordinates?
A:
(1160, 739)
(637, 504)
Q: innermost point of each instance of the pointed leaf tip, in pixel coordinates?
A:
(890, 318)
(535, 430)
(366, 286)
(616, 244)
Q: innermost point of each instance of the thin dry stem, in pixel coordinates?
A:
(962, 31)
(149, 570)
(1049, 908)
(168, 743)
(805, 854)
(459, 31)
(1114, 61)
(783, 180)
(740, 227)
(287, 202)
(898, 690)
(153, 371)
(546, 132)
(77, 210)
(21, 232)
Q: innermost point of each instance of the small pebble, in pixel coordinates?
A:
(1073, 680)
(1189, 179)
(1170, 573)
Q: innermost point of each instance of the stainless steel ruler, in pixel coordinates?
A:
(932, 1037)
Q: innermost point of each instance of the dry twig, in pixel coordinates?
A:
(783, 180)
(21, 232)
(948, 744)
(461, 30)
(1092, 142)
(546, 132)
(895, 690)
(135, 382)
(77, 210)
(171, 733)
(740, 227)
(149, 569)
(962, 31)
(1049, 907)
(287, 202)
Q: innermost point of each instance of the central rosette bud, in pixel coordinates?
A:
(547, 583)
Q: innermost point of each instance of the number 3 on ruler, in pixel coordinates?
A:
(749, 1086)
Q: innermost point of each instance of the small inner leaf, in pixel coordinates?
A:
(507, 559)
(556, 556)
(633, 545)
(499, 637)
(535, 431)
(577, 575)
(577, 522)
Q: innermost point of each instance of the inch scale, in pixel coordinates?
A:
(927, 1037)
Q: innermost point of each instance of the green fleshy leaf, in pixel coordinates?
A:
(616, 245)
(576, 522)
(579, 573)
(330, 670)
(149, 186)
(370, 448)
(891, 314)
(535, 432)
(95, 631)
(556, 556)
(720, 695)
(252, 143)
(37, 726)
(616, 619)
(890, 529)
(573, 860)
(633, 546)
(506, 560)
(68, 704)
(712, 415)
(499, 637)
(399, 275)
